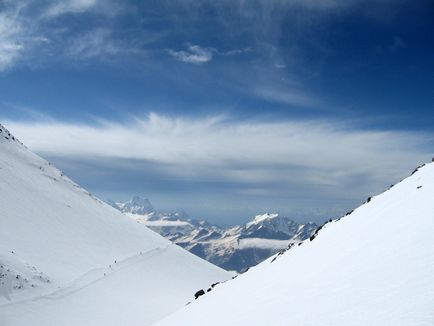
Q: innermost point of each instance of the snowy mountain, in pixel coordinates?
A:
(68, 259)
(137, 205)
(373, 267)
(235, 248)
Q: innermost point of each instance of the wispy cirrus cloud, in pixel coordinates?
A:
(13, 35)
(194, 54)
(25, 25)
(22, 30)
(70, 6)
(97, 43)
(303, 152)
(309, 169)
(234, 52)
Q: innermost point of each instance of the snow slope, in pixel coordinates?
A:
(373, 267)
(67, 258)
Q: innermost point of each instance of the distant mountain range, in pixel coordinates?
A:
(233, 248)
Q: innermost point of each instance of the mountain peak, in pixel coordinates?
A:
(136, 205)
(274, 226)
(262, 217)
(138, 200)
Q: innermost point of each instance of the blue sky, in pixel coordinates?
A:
(224, 108)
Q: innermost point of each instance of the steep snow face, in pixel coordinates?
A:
(66, 258)
(373, 267)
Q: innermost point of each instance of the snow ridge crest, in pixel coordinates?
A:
(5, 134)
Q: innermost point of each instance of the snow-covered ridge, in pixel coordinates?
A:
(373, 267)
(260, 218)
(6, 135)
(67, 258)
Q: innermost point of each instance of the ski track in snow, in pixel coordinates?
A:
(89, 279)
(92, 276)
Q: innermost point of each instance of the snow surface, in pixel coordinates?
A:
(373, 267)
(67, 258)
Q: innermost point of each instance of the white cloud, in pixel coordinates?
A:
(25, 26)
(22, 32)
(198, 55)
(70, 6)
(237, 51)
(11, 39)
(296, 152)
(194, 54)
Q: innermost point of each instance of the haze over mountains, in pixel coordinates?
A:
(232, 248)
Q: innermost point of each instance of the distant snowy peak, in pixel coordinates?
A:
(136, 205)
(141, 208)
(261, 218)
(274, 226)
